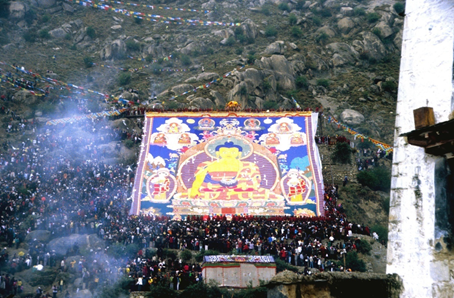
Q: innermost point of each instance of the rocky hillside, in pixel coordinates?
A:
(333, 54)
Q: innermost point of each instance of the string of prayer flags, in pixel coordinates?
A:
(356, 134)
(151, 17)
(155, 7)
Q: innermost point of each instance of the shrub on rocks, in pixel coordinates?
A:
(124, 78)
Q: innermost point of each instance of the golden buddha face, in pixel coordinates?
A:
(228, 153)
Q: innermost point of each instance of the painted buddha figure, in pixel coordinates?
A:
(229, 178)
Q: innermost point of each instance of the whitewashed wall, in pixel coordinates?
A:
(425, 80)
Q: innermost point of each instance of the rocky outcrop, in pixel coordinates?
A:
(207, 76)
(42, 236)
(191, 47)
(345, 25)
(316, 62)
(276, 63)
(385, 29)
(85, 242)
(178, 89)
(250, 29)
(25, 97)
(209, 5)
(116, 48)
(398, 40)
(346, 11)
(58, 33)
(67, 7)
(219, 100)
(352, 117)
(153, 48)
(224, 33)
(200, 102)
(17, 10)
(327, 30)
(342, 54)
(371, 45)
(330, 284)
(277, 47)
(249, 89)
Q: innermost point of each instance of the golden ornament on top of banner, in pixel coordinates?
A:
(233, 106)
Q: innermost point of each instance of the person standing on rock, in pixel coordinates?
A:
(54, 291)
(345, 181)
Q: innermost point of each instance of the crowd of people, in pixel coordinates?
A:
(310, 242)
(60, 180)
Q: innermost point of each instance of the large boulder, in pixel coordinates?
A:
(251, 75)
(224, 33)
(250, 29)
(316, 62)
(372, 45)
(352, 117)
(277, 47)
(68, 7)
(128, 95)
(207, 76)
(209, 5)
(276, 63)
(201, 103)
(285, 277)
(285, 81)
(218, 98)
(17, 10)
(116, 48)
(85, 243)
(345, 25)
(42, 236)
(178, 89)
(58, 33)
(398, 40)
(327, 30)
(81, 35)
(25, 97)
(346, 11)
(193, 46)
(153, 48)
(239, 93)
(343, 54)
(385, 29)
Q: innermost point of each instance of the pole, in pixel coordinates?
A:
(344, 261)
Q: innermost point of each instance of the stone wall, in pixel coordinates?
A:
(240, 275)
(416, 252)
(288, 284)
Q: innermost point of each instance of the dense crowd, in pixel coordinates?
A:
(309, 242)
(62, 183)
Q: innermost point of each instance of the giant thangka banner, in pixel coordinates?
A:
(229, 163)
